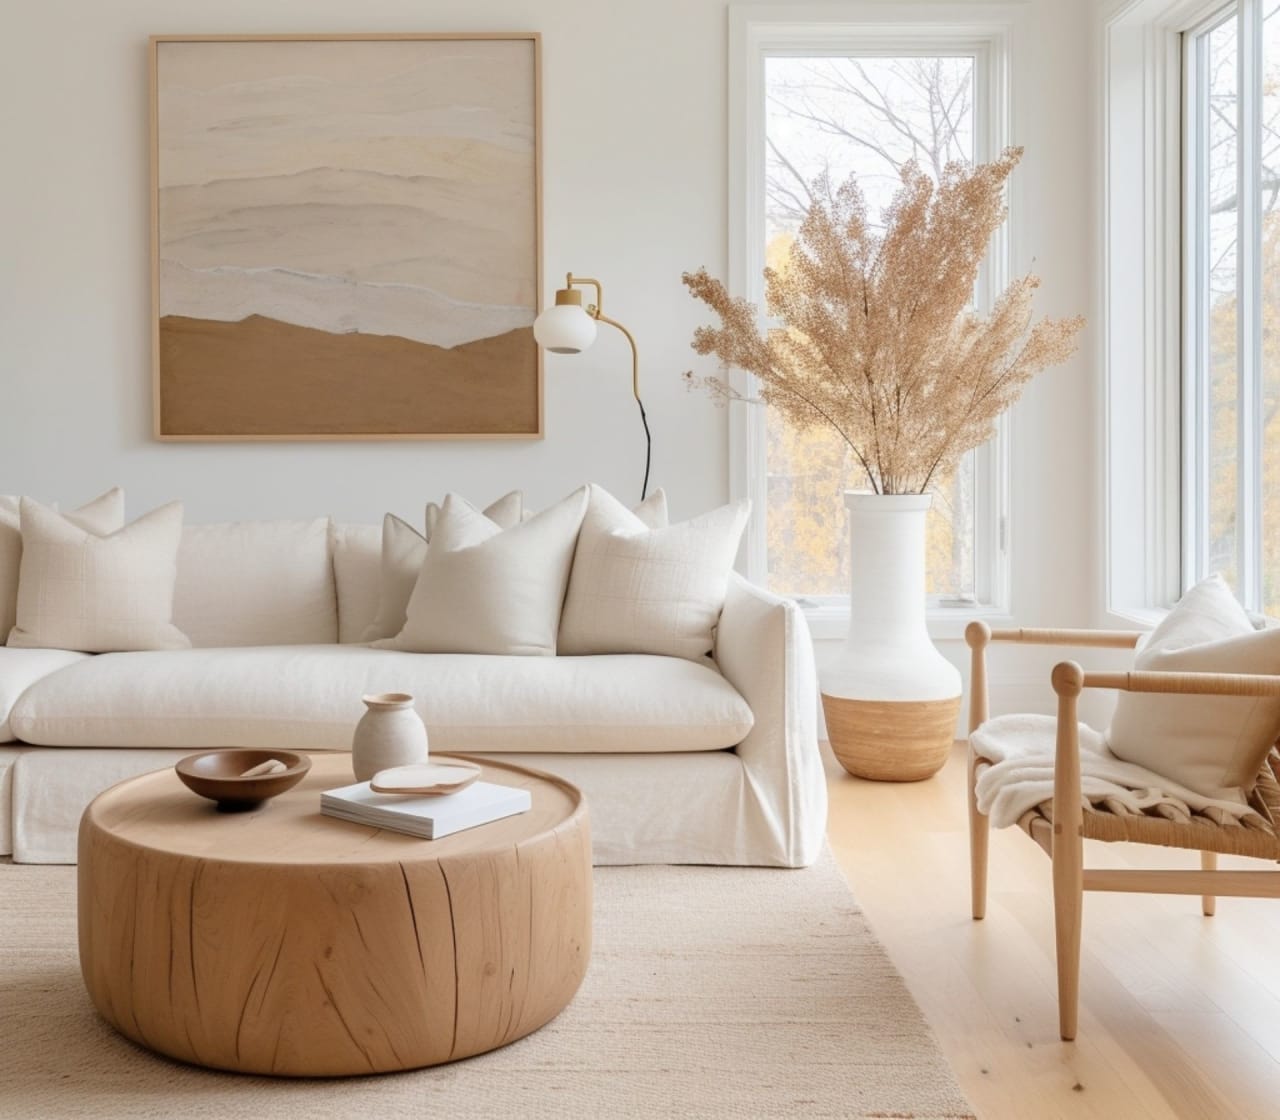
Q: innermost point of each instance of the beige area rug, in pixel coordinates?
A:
(712, 992)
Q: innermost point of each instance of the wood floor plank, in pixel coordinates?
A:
(1180, 1015)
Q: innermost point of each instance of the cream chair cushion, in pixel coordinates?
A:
(403, 549)
(485, 589)
(1211, 744)
(105, 514)
(81, 591)
(637, 589)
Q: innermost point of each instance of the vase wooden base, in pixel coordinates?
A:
(891, 740)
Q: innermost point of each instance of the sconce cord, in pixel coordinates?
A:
(648, 449)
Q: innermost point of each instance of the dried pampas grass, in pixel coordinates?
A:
(879, 342)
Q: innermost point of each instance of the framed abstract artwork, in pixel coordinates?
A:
(346, 236)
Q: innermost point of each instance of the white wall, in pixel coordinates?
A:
(634, 150)
(635, 181)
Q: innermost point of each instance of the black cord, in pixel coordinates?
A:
(648, 449)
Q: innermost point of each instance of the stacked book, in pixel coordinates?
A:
(427, 817)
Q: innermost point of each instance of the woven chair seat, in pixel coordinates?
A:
(1201, 833)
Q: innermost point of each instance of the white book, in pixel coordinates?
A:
(427, 817)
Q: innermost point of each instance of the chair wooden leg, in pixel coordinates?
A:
(1068, 847)
(1068, 906)
(979, 834)
(1208, 902)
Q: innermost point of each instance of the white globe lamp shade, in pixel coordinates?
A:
(565, 328)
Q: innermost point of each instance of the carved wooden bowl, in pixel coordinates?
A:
(219, 776)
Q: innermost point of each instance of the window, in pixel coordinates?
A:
(833, 100)
(1231, 300)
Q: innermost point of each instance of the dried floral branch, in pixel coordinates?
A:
(879, 341)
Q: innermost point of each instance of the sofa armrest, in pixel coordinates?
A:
(764, 650)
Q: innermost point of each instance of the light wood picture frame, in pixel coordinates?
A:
(346, 236)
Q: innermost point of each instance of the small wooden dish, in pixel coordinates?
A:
(425, 779)
(218, 775)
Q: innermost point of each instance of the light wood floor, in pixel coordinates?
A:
(1179, 1014)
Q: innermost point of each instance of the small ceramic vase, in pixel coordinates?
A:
(389, 734)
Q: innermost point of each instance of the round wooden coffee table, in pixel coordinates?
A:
(284, 942)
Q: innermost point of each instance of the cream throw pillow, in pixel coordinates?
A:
(637, 589)
(95, 593)
(403, 548)
(1211, 744)
(102, 515)
(652, 510)
(484, 589)
(505, 512)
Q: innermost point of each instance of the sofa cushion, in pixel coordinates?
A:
(308, 698)
(256, 583)
(357, 570)
(21, 668)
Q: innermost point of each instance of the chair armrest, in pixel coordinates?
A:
(979, 635)
(1110, 639)
(1188, 684)
(764, 650)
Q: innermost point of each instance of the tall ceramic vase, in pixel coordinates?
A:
(890, 698)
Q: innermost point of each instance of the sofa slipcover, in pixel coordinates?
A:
(8, 756)
(51, 789)
(308, 698)
(639, 735)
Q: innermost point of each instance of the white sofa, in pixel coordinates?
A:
(681, 762)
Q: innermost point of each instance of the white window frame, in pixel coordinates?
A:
(1249, 328)
(756, 32)
(1150, 485)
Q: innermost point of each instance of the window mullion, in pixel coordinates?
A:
(1199, 373)
(1248, 292)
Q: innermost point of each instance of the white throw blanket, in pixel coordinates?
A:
(1021, 751)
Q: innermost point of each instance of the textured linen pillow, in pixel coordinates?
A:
(484, 589)
(637, 589)
(95, 593)
(403, 548)
(104, 514)
(1211, 744)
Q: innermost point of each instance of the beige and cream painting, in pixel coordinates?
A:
(347, 237)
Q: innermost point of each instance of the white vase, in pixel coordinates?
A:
(890, 698)
(389, 734)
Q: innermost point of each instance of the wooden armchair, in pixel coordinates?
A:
(1061, 825)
